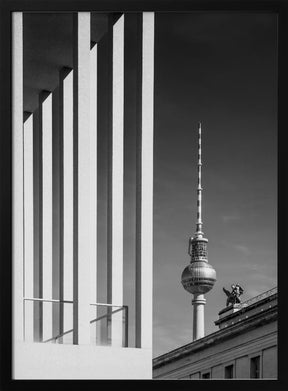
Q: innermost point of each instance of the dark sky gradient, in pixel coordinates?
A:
(220, 69)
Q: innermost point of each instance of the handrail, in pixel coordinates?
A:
(107, 305)
(124, 307)
(58, 336)
(106, 315)
(68, 301)
(268, 293)
(48, 300)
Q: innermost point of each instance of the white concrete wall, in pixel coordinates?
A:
(53, 361)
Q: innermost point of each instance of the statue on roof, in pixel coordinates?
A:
(233, 297)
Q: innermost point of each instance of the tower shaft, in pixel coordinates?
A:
(198, 303)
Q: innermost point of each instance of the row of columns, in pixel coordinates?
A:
(77, 112)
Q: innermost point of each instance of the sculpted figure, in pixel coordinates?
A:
(233, 297)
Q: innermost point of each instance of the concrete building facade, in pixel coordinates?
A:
(244, 347)
(61, 330)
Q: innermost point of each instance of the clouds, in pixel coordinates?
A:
(244, 250)
(170, 336)
(230, 218)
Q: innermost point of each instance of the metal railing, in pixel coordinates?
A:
(263, 295)
(37, 327)
(47, 300)
(107, 316)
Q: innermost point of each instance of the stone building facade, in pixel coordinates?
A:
(244, 347)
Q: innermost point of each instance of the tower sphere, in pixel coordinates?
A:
(198, 278)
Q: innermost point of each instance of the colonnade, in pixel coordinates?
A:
(55, 191)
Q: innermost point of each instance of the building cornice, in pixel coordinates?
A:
(245, 309)
(253, 321)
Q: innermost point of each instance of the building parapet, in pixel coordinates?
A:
(235, 310)
(263, 295)
(242, 325)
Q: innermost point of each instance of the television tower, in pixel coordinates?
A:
(198, 277)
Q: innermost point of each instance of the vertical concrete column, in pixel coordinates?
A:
(37, 210)
(144, 232)
(28, 228)
(81, 276)
(56, 208)
(17, 174)
(198, 303)
(138, 290)
(93, 186)
(66, 96)
(117, 178)
(47, 214)
(105, 332)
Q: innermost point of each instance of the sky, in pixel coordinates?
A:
(217, 68)
(220, 69)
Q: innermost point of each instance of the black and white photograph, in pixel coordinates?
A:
(144, 193)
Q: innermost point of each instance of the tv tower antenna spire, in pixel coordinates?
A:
(199, 223)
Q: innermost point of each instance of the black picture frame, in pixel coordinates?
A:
(8, 6)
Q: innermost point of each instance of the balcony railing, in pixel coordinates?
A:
(108, 324)
(263, 295)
